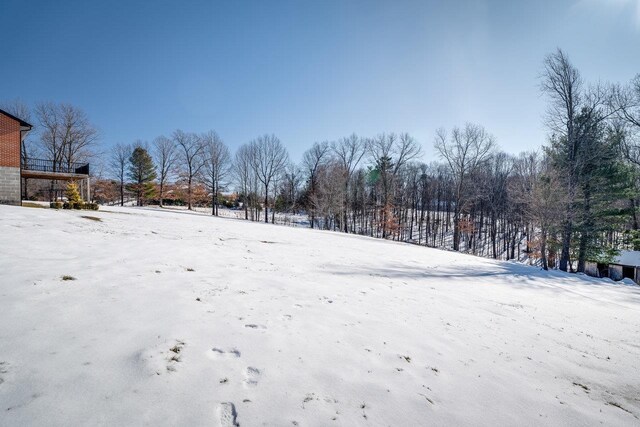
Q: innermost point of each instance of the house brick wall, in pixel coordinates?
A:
(9, 142)
(9, 161)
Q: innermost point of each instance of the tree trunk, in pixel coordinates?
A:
(266, 203)
(189, 207)
(636, 241)
(586, 230)
(345, 215)
(543, 249)
(566, 244)
(582, 252)
(456, 230)
(246, 206)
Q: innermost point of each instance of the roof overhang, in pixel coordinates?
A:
(24, 126)
(24, 130)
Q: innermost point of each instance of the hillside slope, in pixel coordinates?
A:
(180, 319)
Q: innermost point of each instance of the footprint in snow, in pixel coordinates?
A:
(161, 358)
(4, 368)
(227, 415)
(218, 352)
(254, 326)
(252, 376)
(174, 355)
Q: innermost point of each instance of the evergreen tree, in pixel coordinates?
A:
(72, 193)
(601, 181)
(141, 172)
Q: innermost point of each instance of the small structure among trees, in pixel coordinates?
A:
(625, 265)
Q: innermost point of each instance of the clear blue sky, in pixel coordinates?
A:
(308, 70)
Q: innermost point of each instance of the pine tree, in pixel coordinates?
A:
(141, 172)
(602, 180)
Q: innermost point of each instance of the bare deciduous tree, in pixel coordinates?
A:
(245, 178)
(292, 180)
(118, 161)
(269, 160)
(165, 154)
(626, 101)
(328, 197)
(312, 160)
(66, 135)
(464, 151)
(348, 152)
(190, 150)
(217, 165)
(390, 153)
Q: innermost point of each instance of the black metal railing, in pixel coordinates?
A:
(41, 165)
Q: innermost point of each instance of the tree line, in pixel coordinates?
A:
(573, 200)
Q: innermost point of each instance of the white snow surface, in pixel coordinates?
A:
(283, 326)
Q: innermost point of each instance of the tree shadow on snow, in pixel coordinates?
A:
(515, 275)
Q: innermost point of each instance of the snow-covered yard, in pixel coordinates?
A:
(170, 318)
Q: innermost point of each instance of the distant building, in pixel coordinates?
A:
(624, 266)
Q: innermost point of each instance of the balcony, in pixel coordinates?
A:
(48, 169)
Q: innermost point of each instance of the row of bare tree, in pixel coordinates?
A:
(575, 200)
(190, 158)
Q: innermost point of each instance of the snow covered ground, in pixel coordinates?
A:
(170, 318)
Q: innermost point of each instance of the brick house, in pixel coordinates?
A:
(16, 170)
(12, 132)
